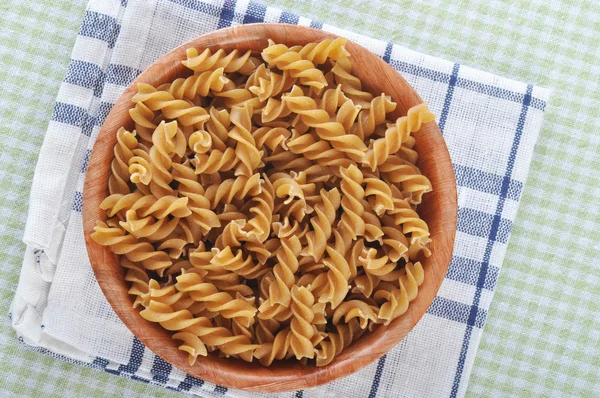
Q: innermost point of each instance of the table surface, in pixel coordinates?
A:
(543, 330)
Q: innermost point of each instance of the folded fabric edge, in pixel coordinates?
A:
(25, 313)
(30, 300)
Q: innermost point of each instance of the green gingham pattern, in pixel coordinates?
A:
(547, 300)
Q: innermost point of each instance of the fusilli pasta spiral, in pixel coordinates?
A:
(267, 209)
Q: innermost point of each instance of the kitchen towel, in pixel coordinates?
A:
(490, 125)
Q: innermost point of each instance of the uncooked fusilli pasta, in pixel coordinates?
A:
(267, 209)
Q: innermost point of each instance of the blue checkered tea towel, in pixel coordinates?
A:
(490, 125)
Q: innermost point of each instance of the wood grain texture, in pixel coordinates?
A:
(439, 210)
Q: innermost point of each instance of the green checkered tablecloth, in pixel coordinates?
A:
(542, 331)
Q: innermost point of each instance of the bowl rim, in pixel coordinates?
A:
(281, 377)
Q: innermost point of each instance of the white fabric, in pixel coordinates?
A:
(490, 125)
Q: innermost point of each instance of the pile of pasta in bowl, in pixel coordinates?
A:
(265, 206)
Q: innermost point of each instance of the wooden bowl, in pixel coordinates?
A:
(439, 209)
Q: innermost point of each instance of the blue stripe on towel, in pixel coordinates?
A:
(377, 377)
(457, 312)
(121, 75)
(195, 5)
(255, 13)
(448, 99)
(482, 181)
(387, 56)
(100, 26)
(135, 358)
(227, 14)
(161, 370)
(466, 270)
(69, 114)
(85, 74)
(286, 17)
(189, 382)
(480, 223)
